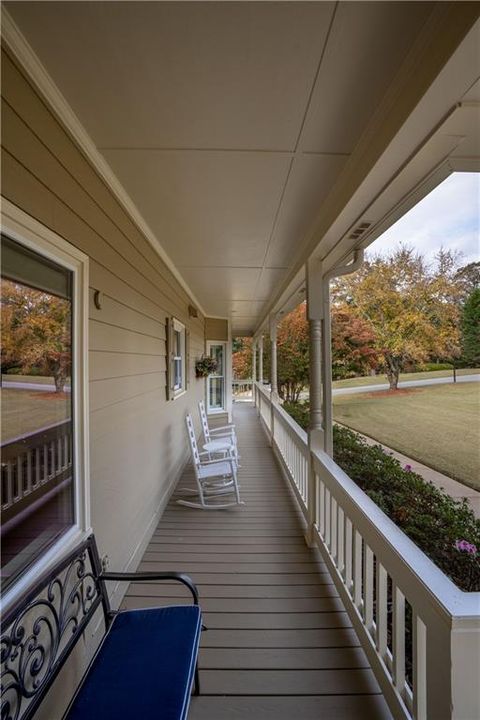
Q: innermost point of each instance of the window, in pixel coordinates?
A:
(43, 429)
(216, 380)
(177, 352)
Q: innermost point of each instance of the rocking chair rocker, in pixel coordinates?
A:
(215, 478)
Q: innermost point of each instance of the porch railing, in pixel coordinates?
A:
(419, 631)
(32, 465)
(242, 388)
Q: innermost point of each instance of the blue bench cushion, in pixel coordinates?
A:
(144, 668)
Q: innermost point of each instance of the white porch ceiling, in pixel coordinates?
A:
(226, 123)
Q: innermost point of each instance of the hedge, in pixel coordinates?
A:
(445, 529)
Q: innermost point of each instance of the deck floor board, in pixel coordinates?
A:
(280, 644)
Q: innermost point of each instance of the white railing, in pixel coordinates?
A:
(420, 632)
(242, 388)
(31, 462)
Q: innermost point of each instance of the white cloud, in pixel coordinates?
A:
(449, 216)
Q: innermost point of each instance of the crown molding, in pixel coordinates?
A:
(31, 64)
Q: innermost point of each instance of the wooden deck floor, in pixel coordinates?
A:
(279, 645)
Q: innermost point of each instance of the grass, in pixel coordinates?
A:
(381, 379)
(26, 411)
(437, 425)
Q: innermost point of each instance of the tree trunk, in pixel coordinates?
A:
(392, 372)
(60, 378)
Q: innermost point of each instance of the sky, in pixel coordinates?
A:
(449, 216)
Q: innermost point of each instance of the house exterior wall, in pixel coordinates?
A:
(216, 329)
(138, 443)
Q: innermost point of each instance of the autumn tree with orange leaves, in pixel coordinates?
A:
(36, 331)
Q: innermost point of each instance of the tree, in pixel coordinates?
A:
(36, 331)
(353, 344)
(412, 310)
(242, 358)
(471, 329)
(468, 277)
(293, 354)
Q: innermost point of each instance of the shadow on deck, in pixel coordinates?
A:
(279, 643)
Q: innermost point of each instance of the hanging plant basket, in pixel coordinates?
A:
(205, 366)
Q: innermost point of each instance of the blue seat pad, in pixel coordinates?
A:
(144, 667)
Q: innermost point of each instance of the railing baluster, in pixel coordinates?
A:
(357, 571)
(382, 611)
(348, 554)
(399, 640)
(419, 668)
(328, 538)
(28, 484)
(341, 541)
(18, 494)
(37, 467)
(368, 589)
(9, 494)
(333, 527)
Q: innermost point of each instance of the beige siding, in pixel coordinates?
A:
(138, 440)
(216, 329)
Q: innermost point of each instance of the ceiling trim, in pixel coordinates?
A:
(26, 56)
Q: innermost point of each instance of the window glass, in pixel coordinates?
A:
(216, 380)
(37, 484)
(177, 359)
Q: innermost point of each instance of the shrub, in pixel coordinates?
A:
(430, 367)
(445, 529)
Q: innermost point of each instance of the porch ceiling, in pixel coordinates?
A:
(226, 123)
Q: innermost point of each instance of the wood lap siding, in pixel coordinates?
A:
(137, 448)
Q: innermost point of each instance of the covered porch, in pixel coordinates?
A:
(279, 642)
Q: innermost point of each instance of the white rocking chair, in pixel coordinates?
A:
(215, 478)
(221, 440)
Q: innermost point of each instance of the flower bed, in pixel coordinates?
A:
(445, 529)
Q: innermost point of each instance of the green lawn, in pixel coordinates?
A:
(25, 411)
(381, 379)
(437, 425)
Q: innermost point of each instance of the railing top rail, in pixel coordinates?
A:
(397, 553)
(41, 431)
(292, 425)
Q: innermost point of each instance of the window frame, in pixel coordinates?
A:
(223, 409)
(25, 230)
(175, 390)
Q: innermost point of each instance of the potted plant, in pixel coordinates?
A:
(205, 366)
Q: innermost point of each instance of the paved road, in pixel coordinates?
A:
(405, 384)
(31, 386)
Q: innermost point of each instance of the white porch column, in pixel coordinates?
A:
(260, 360)
(254, 371)
(273, 363)
(315, 314)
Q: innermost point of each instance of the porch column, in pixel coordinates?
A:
(260, 360)
(273, 365)
(326, 344)
(254, 371)
(315, 315)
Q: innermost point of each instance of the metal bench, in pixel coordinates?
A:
(145, 666)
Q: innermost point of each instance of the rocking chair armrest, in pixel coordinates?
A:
(229, 460)
(219, 429)
(149, 576)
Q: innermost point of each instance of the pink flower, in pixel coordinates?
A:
(465, 546)
(408, 468)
